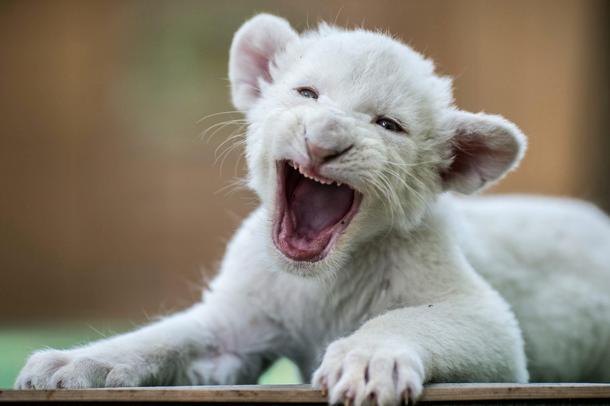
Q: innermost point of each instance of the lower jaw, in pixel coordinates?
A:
(326, 243)
(304, 255)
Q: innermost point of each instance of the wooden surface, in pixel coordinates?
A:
(440, 393)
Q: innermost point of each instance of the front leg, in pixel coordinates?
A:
(469, 338)
(227, 339)
(197, 346)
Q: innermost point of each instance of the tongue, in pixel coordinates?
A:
(316, 207)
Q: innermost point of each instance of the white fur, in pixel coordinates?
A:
(422, 287)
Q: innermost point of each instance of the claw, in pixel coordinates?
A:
(409, 396)
(404, 397)
(323, 388)
(372, 398)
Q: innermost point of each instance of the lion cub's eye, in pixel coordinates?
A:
(389, 124)
(307, 92)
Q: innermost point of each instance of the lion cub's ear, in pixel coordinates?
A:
(483, 148)
(254, 46)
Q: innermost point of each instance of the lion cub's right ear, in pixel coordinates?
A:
(254, 46)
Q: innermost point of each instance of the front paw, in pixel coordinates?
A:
(50, 369)
(360, 371)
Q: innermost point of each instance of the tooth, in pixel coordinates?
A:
(339, 183)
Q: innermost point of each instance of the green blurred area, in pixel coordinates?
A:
(17, 343)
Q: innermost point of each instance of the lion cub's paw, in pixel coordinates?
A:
(362, 372)
(54, 369)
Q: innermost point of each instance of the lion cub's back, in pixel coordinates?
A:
(550, 259)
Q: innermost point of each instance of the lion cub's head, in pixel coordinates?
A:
(351, 133)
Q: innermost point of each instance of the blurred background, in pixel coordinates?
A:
(114, 209)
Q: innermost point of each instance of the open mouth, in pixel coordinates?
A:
(311, 212)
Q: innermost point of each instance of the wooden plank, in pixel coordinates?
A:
(502, 391)
(305, 394)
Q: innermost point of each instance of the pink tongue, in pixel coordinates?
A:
(316, 207)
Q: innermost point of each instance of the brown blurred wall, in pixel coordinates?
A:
(111, 206)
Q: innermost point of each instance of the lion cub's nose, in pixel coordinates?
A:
(319, 155)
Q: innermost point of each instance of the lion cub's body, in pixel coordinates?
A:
(358, 264)
(550, 259)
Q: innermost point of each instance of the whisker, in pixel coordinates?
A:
(222, 155)
(220, 113)
(219, 126)
(230, 139)
(228, 152)
(406, 185)
(415, 164)
(232, 187)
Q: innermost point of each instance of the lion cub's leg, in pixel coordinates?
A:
(462, 338)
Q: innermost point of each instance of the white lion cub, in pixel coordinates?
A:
(357, 265)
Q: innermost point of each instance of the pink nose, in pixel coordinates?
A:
(319, 155)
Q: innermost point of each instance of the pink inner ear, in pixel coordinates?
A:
(254, 62)
(253, 51)
(477, 159)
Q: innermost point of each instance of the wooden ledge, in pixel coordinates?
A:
(443, 393)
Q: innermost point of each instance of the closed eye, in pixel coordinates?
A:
(389, 124)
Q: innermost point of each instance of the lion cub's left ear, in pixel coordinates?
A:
(254, 46)
(483, 148)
